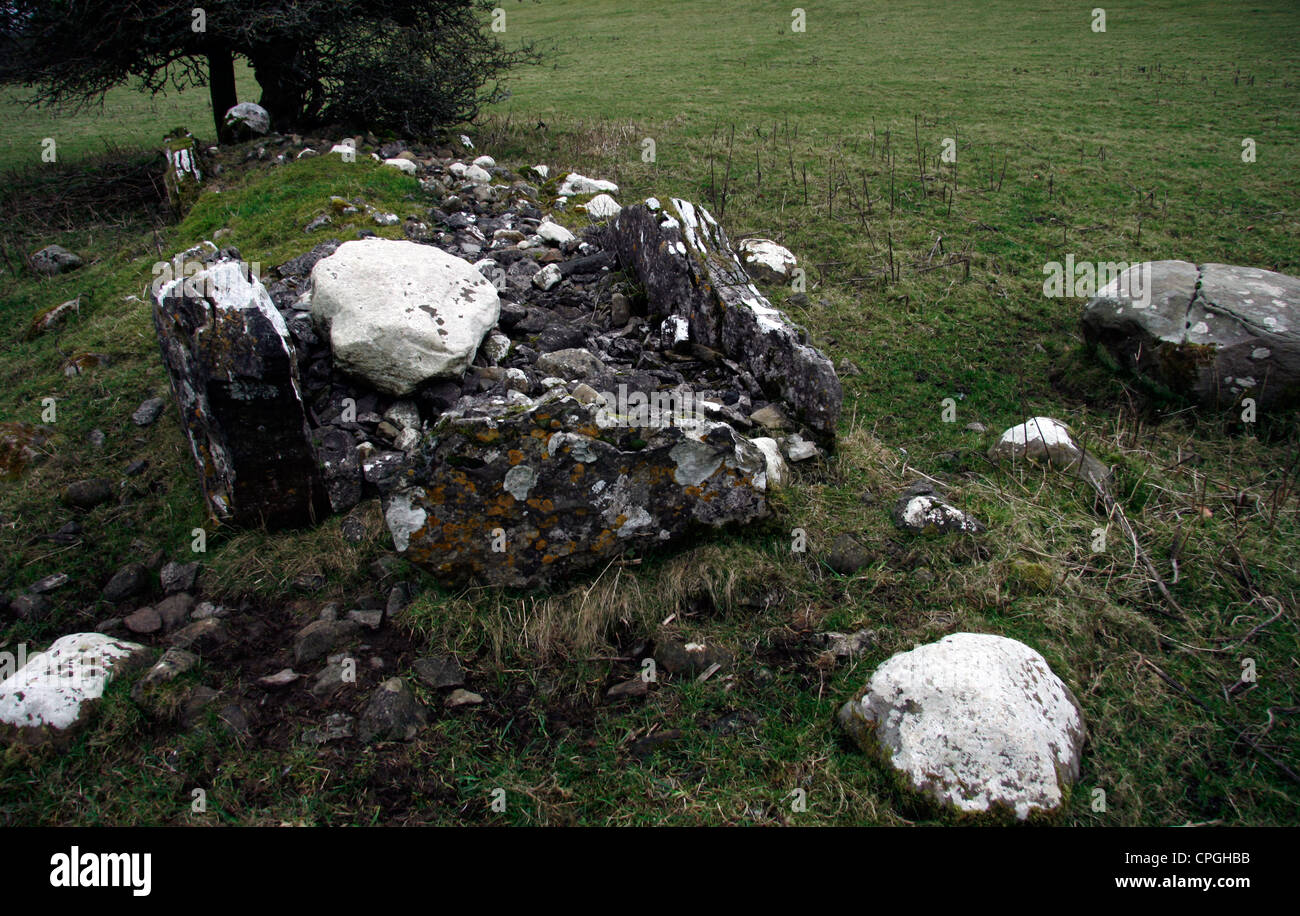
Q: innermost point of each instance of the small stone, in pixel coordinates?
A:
(282, 678)
(148, 412)
(173, 664)
(371, 620)
(338, 727)
(87, 494)
(137, 467)
(847, 556)
(460, 697)
(206, 637)
(175, 610)
(179, 577)
(633, 687)
(48, 584)
(689, 658)
(319, 637)
(547, 277)
(30, 607)
(439, 671)
(144, 621)
(798, 448)
(131, 579)
(620, 310)
(393, 714)
(54, 259)
(849, 645)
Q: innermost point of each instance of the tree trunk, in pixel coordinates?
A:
(221, 87)
(284, 90)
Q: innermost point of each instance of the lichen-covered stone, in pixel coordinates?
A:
(976, 722)
(50, 693)
(234, 374)
(689, 270)
(1215, 333)
(523, 496)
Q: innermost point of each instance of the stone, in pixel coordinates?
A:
(173, 664)
(847, 556)
(247, 120)
(602, 207)
(178, 577)
(399, 314)
(369, 619)
(459, 697)
(477, 175)
(778, 472)
(405, 165)
(19, 446)
(175, 610)
(797, 448)
(320, 637)
(683, 259)
(439, 671)
(338, 727)
(771, 416)
(976, 722)
(234, 373)
(208, 636)
(677, 656)
(575, 184)
(767, 261)
(558, 494)
(1213, 333)
(849, 645)
(282, 678)
(340, 467)
(339, 672)
(620, 310)
(148, 412)
(130, 580)
(554, 234)
(393, 714)
(47, 584)
(53, 691)
(53, 317)
(53, 260)
(632, 687)
(546, 278)
(30, 607)
(921, 511)
(87, 494)
(570, 364)
(144, 621)
(1050, 442)
(183, 176)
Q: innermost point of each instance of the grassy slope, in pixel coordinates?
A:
(1097, 134)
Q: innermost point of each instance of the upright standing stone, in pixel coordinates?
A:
(682, 256)
(183, 177)
(235, 377)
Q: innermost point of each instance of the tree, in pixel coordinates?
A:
(404, 65)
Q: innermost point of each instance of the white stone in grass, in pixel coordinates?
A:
(55, 685)
(1048, 441)
(406, 165)
(553, 233)
(477, 175)
(602, 206)
(485, 162)
(976, 722)
(581, 184)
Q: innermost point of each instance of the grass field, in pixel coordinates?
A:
(927, 275)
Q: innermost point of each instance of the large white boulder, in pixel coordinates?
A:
(398, 313)
(976, 722)
(52, 688)
(575, 184)
(248, 119)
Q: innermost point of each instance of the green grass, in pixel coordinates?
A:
(1068, 141)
